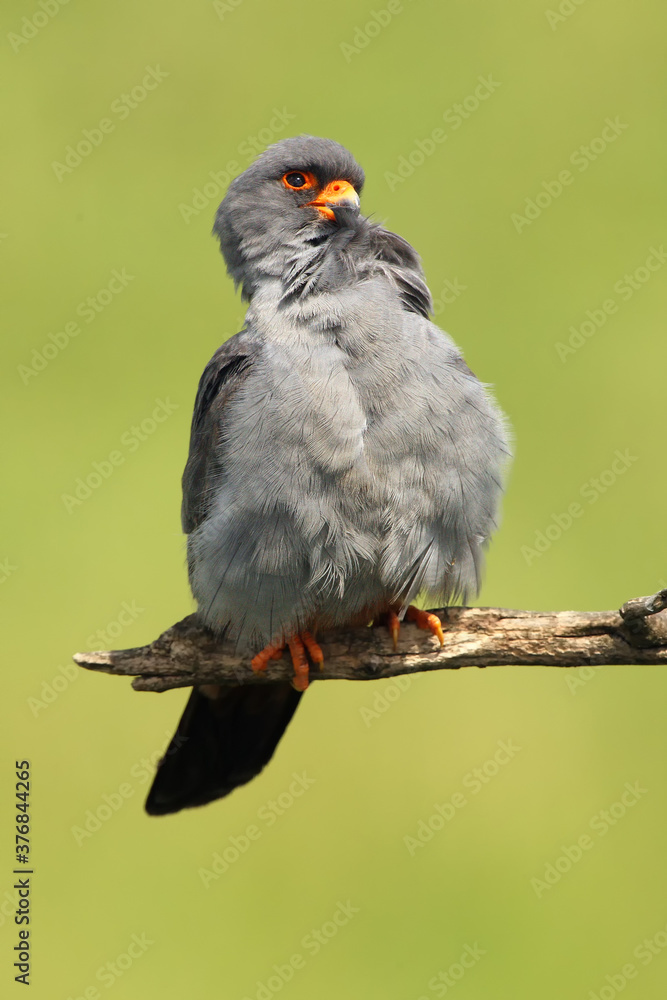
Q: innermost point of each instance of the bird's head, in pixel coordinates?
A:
(297, 194)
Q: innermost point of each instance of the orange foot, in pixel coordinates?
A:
(299, 645)
(424, 619)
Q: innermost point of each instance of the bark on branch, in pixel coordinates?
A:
(187, 654)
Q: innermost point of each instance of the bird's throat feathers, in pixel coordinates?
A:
(323, 259)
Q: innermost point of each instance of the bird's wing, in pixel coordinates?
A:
(224, 739)
(402, 264)
(225, 372)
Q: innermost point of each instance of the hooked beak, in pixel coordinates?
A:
(337, 194)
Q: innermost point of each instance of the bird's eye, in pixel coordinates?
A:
(298, 180)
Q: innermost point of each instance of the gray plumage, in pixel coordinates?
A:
(343, 456)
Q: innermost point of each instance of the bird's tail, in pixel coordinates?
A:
(221, 742)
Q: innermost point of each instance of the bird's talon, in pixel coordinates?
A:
(394, 626)
(299, 645)
(427, 621)
(314, 650)
(261, 660)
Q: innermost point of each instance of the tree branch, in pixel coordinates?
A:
(188, 654)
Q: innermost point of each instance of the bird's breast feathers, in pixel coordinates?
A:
(374, 389)
(359, 457)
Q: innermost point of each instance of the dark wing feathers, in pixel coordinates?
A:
(223, 741)
(403, 266)
(222, 376)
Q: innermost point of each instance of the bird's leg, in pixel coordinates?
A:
(298, 644)
(314, 650)
(394, 626)
(389, 619)
(260, 661)
(301, 646)
(424, 619)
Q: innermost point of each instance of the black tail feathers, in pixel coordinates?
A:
(221, 743)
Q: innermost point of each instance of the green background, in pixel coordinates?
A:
(67, 574)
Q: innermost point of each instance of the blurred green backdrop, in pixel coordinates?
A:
(553, 284)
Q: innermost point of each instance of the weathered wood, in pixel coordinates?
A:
(187, 654)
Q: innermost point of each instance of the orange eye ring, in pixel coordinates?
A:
(299, 180)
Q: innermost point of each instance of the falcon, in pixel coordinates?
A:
(343, 457)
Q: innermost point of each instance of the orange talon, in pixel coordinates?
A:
(260, 661)
(427, 621)
(300, 663)
(301, 647)
(314, 651)
(394, 626)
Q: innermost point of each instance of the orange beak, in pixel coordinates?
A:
(336, 193)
